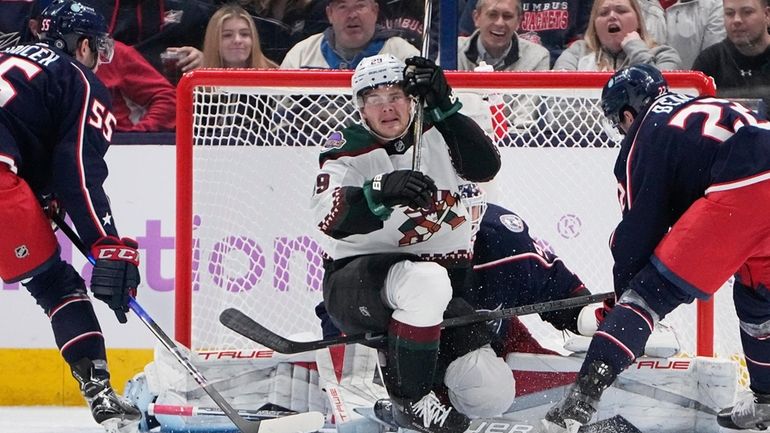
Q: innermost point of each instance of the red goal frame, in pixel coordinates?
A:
(341, 79)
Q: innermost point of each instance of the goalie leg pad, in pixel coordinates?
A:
(27, 242)
(480, 384)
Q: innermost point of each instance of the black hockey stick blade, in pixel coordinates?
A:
(616, 424)
(239, 322)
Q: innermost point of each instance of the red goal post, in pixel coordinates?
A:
(242, 114)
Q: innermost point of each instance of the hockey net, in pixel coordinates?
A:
(247, 152)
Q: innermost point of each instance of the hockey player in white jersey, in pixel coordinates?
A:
(398, 242)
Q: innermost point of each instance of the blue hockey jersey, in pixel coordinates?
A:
(677, 152)
(55, 128)
(510, 268)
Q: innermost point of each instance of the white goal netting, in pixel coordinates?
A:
(248, 156)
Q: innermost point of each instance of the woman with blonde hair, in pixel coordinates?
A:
(231, 41)
(616, 37)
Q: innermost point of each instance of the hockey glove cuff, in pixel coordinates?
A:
(115, 276)
(373, 199)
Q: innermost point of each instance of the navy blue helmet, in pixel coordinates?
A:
(65, 23)
(633, 87)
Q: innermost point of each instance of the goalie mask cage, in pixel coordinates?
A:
(247, 156)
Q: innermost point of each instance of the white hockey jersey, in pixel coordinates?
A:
(351, 157)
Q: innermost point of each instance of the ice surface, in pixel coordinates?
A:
(47, 419)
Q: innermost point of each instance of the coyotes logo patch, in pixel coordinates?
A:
(422, 223)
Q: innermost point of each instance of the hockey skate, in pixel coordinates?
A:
(581, 401)
(114, 413)
(426, 414)
(752, 412)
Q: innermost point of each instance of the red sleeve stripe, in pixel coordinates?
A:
(79, 146)
(617, 342)
(66, 345)
(10, 162)
(82, 298)
(761, 177)
(516, 258)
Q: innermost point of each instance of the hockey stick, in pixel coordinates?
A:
(419, 113)
(304, 422)
(247, 327)
(190, 411)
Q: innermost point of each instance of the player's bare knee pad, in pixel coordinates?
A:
(419, 292)
(27, 242)
(480, 384)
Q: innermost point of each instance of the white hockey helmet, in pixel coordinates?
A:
(374, 71)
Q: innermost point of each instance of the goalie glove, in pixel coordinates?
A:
(591, 316)
(115, 277)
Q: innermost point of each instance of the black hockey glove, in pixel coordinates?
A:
(115, 277)
(402, 187)
(425, 79)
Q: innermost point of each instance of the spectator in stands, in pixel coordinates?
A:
(404, 16)
(151, 26)
(494, 45)
(352, 36)
(231, 41)
(554, 25)
(142, 99)
(407, 17)
(495, 41)
(616, 37)
(740, 64)
(688, 26)
(283, 23)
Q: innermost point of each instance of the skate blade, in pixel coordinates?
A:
(368, 413)
(615, 424)
(549, 427)
(117, 425)
(572, 425)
